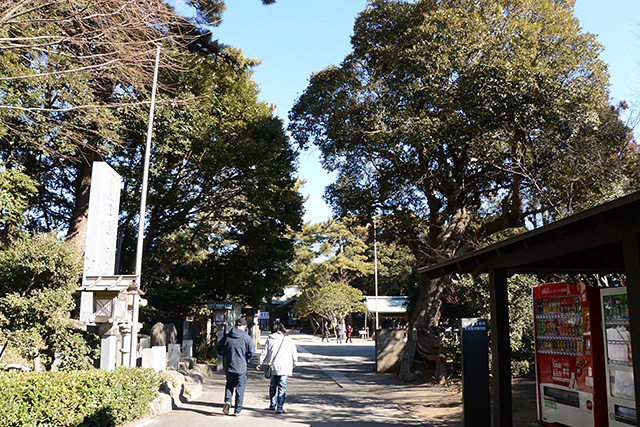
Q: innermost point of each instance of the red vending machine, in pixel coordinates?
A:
(570, 380)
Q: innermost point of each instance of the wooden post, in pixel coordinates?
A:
(501, 401)
(631, 249)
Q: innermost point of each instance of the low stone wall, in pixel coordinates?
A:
(389, 349)
(178, 387)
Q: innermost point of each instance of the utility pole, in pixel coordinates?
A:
(143, 209)
(375, 267)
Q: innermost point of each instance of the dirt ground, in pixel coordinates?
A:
(440, 406)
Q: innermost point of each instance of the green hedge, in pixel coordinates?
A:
(76, 398)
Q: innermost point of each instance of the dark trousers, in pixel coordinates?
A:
(235, 382)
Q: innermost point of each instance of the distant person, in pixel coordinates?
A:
(281, 353)
(349, 332)
(325, 332)
(237, 349)
(339, 333)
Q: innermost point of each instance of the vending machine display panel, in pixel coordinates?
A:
(621, 396)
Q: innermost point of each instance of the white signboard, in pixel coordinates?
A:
(102, 224)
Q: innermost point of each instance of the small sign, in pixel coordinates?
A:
(475, 372)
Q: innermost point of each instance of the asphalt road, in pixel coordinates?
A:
(328, 388)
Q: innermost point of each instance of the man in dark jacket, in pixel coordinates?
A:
(237, 349)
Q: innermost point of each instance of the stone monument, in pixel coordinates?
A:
(106, 298)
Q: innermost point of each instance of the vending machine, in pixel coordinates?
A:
(621, 399)
(569, 365)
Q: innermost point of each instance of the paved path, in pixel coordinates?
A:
(328, 388)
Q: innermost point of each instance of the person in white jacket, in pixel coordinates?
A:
(281, 354)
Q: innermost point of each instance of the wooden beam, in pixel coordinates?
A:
(631, 249)
(538, 246)
(501, 401)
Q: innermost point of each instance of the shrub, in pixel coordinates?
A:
(34, 325)
(38, 262)
(73, 349)
(76, 398)
(38, 278)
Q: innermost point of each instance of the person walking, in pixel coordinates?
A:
(325, 332)
(236, 349)
(349, 331)
(339, 333)
(281, 353)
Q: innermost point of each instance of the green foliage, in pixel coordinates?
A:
(397, 269)
(223, 200)
(73, 349)
(335, 265)
(233, 237)
(469, 297)
(33, 321)
(345, 250)
(451, 120)
(75, 89)
(332, 301)
(15, 189)
(339, 246)
(38, 262)
(77, 398)
(450, 347)
(38, 278)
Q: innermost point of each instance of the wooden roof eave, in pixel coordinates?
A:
(601, 227)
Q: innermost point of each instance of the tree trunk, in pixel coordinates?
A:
(77, 234)
(423, 333)
(315, 324)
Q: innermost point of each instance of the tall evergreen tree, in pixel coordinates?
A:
(334, 268)
(75, 78)
(456, 119)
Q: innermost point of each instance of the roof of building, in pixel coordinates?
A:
(587, 242)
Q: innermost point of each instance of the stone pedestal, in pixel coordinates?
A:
(173, 356)
(155, 358)
(86, 306)
(125, 348)
(187, 348)
(108, 352)
(144, 341)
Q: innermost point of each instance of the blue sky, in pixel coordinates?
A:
(295, 38)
